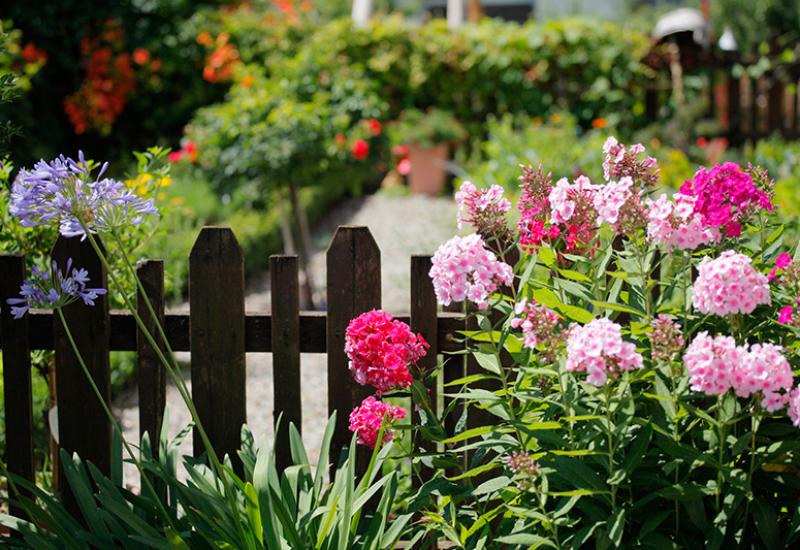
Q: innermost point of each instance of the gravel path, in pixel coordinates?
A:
(401, 226)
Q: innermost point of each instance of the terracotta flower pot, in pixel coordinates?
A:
(427, 169)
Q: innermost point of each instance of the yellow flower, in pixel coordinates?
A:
(165, 181)
(176, 201)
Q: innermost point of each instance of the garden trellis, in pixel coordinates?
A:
(218, 334)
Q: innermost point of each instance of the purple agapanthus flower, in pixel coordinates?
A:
(64, 191)
(54, 290)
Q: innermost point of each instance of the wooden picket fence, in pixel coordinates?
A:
(746, 108)
(218, 333)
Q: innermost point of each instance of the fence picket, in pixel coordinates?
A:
(424, 321)
(151, 373)
(354, 287)
(285, 333)
(217, 339)
(16, 376)
(83, 426)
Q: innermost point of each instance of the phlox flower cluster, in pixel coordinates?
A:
(666, 339)
(725, 197)
(539, 326)
(610, 198)
(674, 224)
(380, 349)
(485, 209)
(572, 206)
(786, 274)
(366, 420)
(464, 269)
(54, 289)
(716, 365)
(64, 192)
(523, 464)
(597, 349)
(534, 225)
(622, 161)
(729, 284)
(794, 406)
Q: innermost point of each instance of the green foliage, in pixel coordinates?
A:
(427, 128)
(759, 23)
(295, 508)
(642, 460)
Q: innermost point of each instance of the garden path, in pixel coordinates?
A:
(402, 226)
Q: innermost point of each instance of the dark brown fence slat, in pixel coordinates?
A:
(424, 321)
(734, 111)
(775, 98)
(152, 374)
(216, 299)
(755, 92)
(285, 288)
(83, 426)
(16, 376)
(354, 286)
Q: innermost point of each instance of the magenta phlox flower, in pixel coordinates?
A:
(54, 289)
(725, 196)
(367, 418)
(381, 349)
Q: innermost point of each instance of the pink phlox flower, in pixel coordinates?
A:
(622, 161)
(463, 268)
(610, 198)
(794, 406)
(483, 208)
(380, 349)
(539, 325)
(786, 315)
(598, 349)
(366, 420)
(729, 284)
(710, 361)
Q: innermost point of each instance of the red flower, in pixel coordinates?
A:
(701, 142)
(404, 167)
(141, 56)
(375, 127)
(400, 150)
(32, 54)
(340, 139)
(360, 149)
(175, 156)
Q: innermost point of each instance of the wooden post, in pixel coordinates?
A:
(16, 378)
(83, 426)
(775, 116)
(424, 321)
(734, 111)
(217, 339)
(283, 271)
(152, 374)
(354, 287)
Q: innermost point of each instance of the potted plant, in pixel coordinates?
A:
(428, 136)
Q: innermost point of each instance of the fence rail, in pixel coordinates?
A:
(216, 331)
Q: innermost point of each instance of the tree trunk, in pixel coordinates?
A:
(304, 248)
(474, 10)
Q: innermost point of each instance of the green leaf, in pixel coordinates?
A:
(617, 307)
(576, 313)
(468, 434)
(528, 539)
(488, 361)
(546, 297)
(492, 485)
(547, 256)
(574, 275)
(766, 524)
(616, 526)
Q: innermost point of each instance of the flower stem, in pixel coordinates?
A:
(755, 421)
(610, 443)
(721, 427)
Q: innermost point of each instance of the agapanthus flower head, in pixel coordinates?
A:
(726, 196)
(666, 339)
(367, 418)
(598, 349)
(464, 269)
(540, 326)
(729, 284)
(54, 289)
(621, 161)
(485, 209)
(64, 192)
(381, 349)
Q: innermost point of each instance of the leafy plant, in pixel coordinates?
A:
(427, 128)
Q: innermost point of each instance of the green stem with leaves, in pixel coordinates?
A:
(755, 422)
(609, 429)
